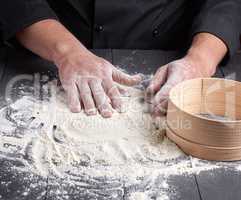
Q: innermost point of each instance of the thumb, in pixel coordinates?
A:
(155, 85)
(173, 78)
(158, 80)
(161, 100)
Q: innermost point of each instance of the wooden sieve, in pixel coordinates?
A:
(204, 118)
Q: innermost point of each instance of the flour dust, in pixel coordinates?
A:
(124, 156)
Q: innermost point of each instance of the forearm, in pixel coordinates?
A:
(49, 39)
(207, 51)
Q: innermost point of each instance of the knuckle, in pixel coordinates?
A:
(94, 81)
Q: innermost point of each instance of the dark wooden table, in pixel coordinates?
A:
(223, 183)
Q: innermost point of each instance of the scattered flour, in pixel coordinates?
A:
(138, 196)
(125, 149)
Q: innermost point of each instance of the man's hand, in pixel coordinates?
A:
(90, 82)
(166, 78)
(87, 79)
(201, 61)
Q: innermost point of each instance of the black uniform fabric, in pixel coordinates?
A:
(130, 24)
(15, 15)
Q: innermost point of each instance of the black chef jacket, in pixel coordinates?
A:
(130, 24)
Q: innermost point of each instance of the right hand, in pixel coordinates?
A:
(90, 82)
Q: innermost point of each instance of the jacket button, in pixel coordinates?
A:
(155, 33)
(99, 28)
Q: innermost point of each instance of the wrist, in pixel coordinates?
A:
(206, 52)
(201, 60)
(64, 49)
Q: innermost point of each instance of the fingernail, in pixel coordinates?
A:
(75, 109)
(91, 112)
(106, 113)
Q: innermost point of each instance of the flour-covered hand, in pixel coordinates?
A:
(167, 77)
(90, 82)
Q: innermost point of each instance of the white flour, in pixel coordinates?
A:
(125, 148)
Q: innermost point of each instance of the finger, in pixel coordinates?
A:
(157, 81)
(124, 92)
(160, 109)
(126, 79)
(173, 79)
(100, 98)
(163, 94)
(86, 97)
(113, 93)
(73, 98)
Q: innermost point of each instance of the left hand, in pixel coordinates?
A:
(170, 75)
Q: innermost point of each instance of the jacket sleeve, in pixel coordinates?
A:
(15, 15)
(221, 18)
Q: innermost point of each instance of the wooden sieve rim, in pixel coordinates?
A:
(203, 145)
(204, 152)
(197, 116)
(202, 130)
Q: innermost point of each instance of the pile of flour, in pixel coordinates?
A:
(51, 141)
